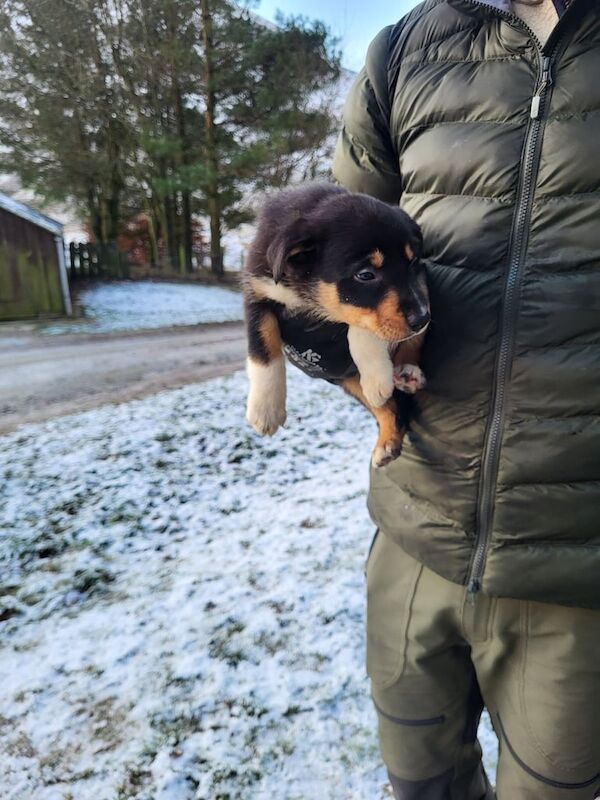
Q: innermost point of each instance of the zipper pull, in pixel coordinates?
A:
(546, 81)
(472, 589)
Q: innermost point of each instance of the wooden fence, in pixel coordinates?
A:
(87, 261)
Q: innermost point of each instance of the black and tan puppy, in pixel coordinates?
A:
(332, 280)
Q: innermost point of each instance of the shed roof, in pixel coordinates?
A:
(30, 214)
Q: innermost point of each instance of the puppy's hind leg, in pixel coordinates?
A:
(391, 434)
(265, 410)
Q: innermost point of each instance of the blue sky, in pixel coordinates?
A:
(356, 23)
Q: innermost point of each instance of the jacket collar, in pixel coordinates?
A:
(503, 5)
(506, 5)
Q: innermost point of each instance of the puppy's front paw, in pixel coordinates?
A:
(264, 415)
(377, 387)
(409, 378)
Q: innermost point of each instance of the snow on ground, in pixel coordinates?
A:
(137, 305)
(183, 603)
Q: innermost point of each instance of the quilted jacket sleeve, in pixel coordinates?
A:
(364, 159)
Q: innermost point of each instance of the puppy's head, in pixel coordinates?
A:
(354, 259)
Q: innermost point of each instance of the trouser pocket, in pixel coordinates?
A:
(371, 546)
(560, 684)
(392, 577)
(424, 685)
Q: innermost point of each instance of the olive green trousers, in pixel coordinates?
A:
(436, 657)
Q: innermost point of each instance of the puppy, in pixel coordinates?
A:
(332, 280)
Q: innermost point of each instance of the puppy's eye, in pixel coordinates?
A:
(365, 275)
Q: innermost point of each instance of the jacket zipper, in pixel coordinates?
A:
(491, 453)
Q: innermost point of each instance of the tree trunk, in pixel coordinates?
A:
(212, 193)
(187, 230)
(95, 221)
(164, 234)
(171, 220)
(153, 238)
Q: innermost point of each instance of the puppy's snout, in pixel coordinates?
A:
(418, 318)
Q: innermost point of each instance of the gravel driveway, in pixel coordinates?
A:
(45, 377)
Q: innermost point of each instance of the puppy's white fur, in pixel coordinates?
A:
(372, 357)
(266, 399)
(277, 291)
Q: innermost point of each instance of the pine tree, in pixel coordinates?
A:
(161, 72)
(161, 107)
(266, 105)
(61, 120)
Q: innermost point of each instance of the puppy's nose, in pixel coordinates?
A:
(418, 319)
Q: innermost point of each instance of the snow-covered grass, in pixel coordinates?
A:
(132, 306)
(183, 603)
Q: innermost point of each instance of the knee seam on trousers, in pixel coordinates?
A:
(412, 790)
(537, 775)
(415, 722)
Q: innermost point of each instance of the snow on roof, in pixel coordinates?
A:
(30, 214)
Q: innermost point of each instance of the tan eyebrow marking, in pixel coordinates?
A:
(376, 258)
(410, 253)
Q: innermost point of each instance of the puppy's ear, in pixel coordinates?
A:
(414, 244)
(416, 237)
(293, 247)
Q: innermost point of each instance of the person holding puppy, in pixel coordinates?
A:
(481, 119)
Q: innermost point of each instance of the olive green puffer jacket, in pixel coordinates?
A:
(493, 145)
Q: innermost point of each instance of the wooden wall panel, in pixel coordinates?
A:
(29, 270)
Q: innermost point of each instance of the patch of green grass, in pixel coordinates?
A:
(280, 606)
(272, 644)
(136, 778)
(70, 506)
(9, 607)
(93, 580)
(173, 726)
(243, 780)
(49, 543)
(94, 671)
(221, 646)
(125, 513)
(312, 523)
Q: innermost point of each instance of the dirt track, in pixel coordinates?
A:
(45, 377)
